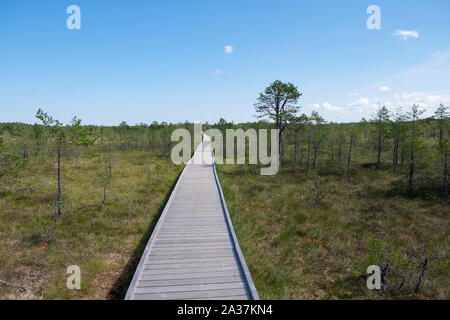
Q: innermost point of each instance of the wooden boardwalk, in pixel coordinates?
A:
(193, 252)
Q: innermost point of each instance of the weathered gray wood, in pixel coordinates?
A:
(177, 260)
(193, 252)
(179, 282)
(180, 257)
(191, 287)
(197, 254)
(185, 265)
(200, 269)
(202, 294)
(226, 298)
(180, 276)
(188, 246)
(196, 250)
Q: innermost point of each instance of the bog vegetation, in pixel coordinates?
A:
(79, 195)
(348, 196)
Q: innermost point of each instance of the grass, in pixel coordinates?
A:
(37, 246)
(299, 249)
(295, 247)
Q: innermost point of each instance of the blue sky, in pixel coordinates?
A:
(144, 61)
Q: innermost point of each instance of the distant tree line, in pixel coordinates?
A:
(52, 141)
(417, 147)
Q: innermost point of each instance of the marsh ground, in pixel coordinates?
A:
(295, 247)
(37, 246)
(299, 249)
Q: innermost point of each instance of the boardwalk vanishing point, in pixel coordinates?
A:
(193, 252)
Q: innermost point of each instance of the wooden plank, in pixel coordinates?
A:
(181, 236)
(243, 297)
(189, 270)
(195, 250)
(181, 256)
(200, 242)
(191, 287)
(188, 246)
(158, 251)
(175, 257)
(170, 233)
(225, 260)
(189, 224)
(194, 228)
(181, 276)
(191, 260)
(197, 264)
(203, 294)
(174, 282)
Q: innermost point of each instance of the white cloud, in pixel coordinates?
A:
(326, 106)
(362, 102)
(217, 72)
(330, 107)
(424, 99)
(427, 100)
(431, 77)
(405, 34)
(229, 49)
(363, 105)
(384, 89)
(353, 94)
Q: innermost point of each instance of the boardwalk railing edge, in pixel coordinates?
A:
(148, 247)
(243, 264)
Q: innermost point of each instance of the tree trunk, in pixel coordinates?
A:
(107, 178)
(280, 141)
(148, 144)
(332, 152)
(445, 175)
(403, 156)
(422, 272)
(315, 147)
(109, 158)
(308, 154)
(395, 155)
(104, 193)
(340, 153)
(349, 156)
(301, 157)
(295, 152)
(411, 187)
(59, 181)
(317, 185)
(379, 151)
